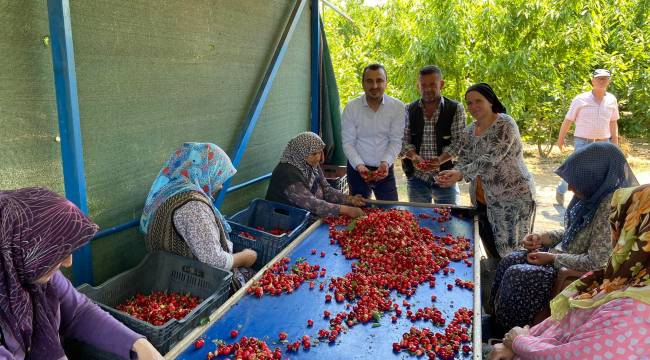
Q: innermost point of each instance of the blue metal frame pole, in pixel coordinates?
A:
(315, 66)
(136, 222)
(65, 83)
(250, 182)
(263, 93)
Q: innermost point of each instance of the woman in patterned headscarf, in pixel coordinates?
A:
(525, 278)
(179, 215)
(39, 231)
(606, 313)
(298, 180)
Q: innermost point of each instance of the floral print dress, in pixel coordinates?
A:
(521, 290)
(497, 157)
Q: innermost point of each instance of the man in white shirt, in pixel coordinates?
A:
(596, 116)
(372, 129)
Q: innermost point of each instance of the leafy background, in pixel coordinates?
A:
(537, 54)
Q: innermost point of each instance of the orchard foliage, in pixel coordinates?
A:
(537, 54)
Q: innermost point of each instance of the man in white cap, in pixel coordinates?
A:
(596, 114)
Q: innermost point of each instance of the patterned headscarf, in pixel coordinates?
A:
(595, 171)
(297, 151)
(38, 230)
(486, 90)
(199, 167)
(628, 271)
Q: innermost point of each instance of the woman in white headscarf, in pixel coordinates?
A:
(298, 180)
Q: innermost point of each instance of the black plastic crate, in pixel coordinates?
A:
(162, 271)
(269, 215)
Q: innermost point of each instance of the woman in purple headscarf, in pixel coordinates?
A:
(39, 231)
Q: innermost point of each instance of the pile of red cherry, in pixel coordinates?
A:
(279, 278)
(390, 252)
(159, 307)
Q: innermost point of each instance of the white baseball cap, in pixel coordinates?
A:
(601, 73)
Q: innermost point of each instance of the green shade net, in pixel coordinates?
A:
(149, 78)
(330, 108)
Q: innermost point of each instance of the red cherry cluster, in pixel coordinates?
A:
(444, 215)
(391, 252)
(295, 346)
(394, 253)
(427, 165)
(448, 270)
(427, 313)
(344, 220)
(465, 284)
(159, 307)
(443, 212)
(333, 221)
(247, 235)
(420, 342)
(280, 279)
(459, 247)
(274, 231)
(372, 175)
(332, 334)
(246, 349)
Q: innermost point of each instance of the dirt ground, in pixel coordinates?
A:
(550, 215)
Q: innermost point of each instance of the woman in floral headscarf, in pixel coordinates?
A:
(179, 215)
(298, 180)
(606, 313)
(39, 231)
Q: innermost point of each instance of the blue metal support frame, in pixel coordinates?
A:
(117, 228)
(136, 222)
(249, 124)
(65, 83)
(249, 182)
(263, 92)
(315, 66)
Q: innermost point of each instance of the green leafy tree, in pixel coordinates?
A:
(537, 54)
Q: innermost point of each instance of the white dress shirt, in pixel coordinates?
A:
(370, 137)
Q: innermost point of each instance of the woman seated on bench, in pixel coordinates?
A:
(524, 279)
(298, 180)
(606, 313)
(39, 231)
(179, 215)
